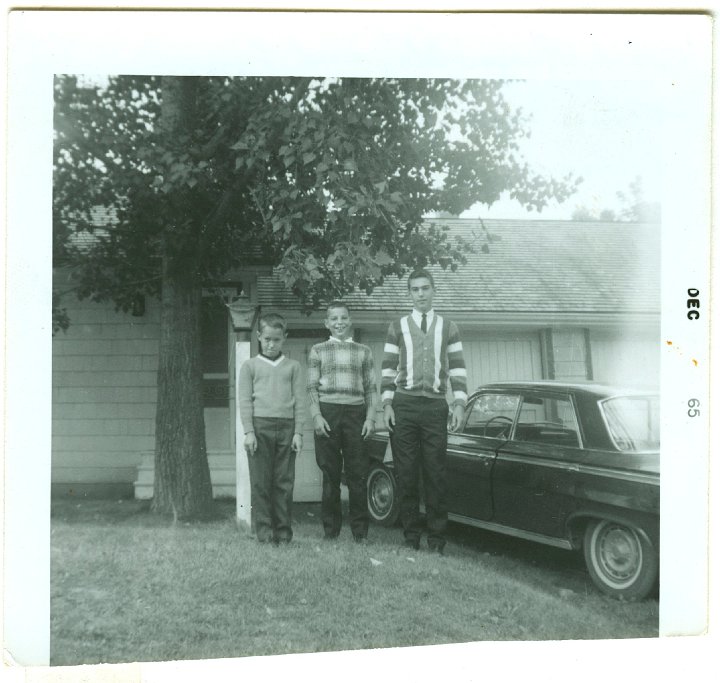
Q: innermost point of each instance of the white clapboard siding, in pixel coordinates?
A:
(104, 373)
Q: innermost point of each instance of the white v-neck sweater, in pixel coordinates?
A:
(270, 388)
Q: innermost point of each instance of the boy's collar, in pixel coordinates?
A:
(419, 314)
(272, 361)
(336, 339)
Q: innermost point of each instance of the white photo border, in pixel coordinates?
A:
(674, 49)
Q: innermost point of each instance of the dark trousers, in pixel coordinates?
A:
(420, 445)
(344, 445)
(272, 478)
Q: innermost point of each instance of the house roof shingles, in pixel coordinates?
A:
(535, 266)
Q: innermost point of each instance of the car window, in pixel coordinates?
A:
(633, 422)
(549, 420)
(491, 415)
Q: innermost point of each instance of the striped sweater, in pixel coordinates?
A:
(420, 363)
(341, 372)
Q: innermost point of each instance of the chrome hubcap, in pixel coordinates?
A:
(381, 494)
(620, 553)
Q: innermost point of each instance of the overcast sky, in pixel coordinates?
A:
(607, 132)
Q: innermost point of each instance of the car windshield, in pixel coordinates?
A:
(633, 422)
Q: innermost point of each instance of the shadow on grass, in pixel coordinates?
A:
(123, 511)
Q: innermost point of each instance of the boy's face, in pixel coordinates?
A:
(422, 293)
(338, 322)
(271, 341)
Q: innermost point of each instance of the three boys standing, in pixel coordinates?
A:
(422, 353)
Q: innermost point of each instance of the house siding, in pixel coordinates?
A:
(625, 356)
(103, 399)
(521, 317)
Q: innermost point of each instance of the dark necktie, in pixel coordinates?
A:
(423, 324)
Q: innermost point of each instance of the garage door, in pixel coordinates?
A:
(490, 356)
(308, 480)
(502, 356)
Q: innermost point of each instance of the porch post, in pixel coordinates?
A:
(243, 319)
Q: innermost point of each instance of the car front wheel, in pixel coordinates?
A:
(621, 561)
(382, 495)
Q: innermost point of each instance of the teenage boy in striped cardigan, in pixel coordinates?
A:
(341, 388)
(422, 351)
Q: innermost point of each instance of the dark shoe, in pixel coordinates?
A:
(330, 537)
(412, 543)
(359, 539)
(437, 549)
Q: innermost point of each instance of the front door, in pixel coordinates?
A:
(472, 451)
(536, 470)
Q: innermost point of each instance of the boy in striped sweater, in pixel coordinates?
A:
(422, 352)
(271, 409)
(341, 389)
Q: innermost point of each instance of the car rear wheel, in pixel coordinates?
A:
(621, 561)
(382, 494)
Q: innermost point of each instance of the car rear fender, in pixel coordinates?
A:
(379, 449)
(647, 527)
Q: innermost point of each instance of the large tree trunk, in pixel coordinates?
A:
(182, 475)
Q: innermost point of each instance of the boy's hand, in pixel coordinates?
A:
(368, 428)
(322, 428)
(389, 415)
(297, 443)
(456, 417)
(250, 443)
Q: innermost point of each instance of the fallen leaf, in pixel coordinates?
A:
(375, 562)
(410, 559)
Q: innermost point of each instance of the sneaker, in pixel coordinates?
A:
(412, 543)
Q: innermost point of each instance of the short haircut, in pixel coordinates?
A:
(274, 320)
(338, 304)
(418, 273)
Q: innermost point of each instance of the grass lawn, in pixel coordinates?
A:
(129, 586)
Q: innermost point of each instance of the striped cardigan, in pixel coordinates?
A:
(420, 363)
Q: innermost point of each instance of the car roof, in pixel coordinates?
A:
(591, 388)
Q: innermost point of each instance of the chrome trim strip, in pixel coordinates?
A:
(639, 477)
(511, 531)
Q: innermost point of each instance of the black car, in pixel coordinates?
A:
(575, 466)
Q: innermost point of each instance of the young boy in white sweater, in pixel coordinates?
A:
(271, 409)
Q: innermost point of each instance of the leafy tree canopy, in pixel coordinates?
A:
(633, 208)
(327, 178)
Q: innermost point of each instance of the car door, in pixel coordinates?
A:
(486, 425)
(535, 472)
